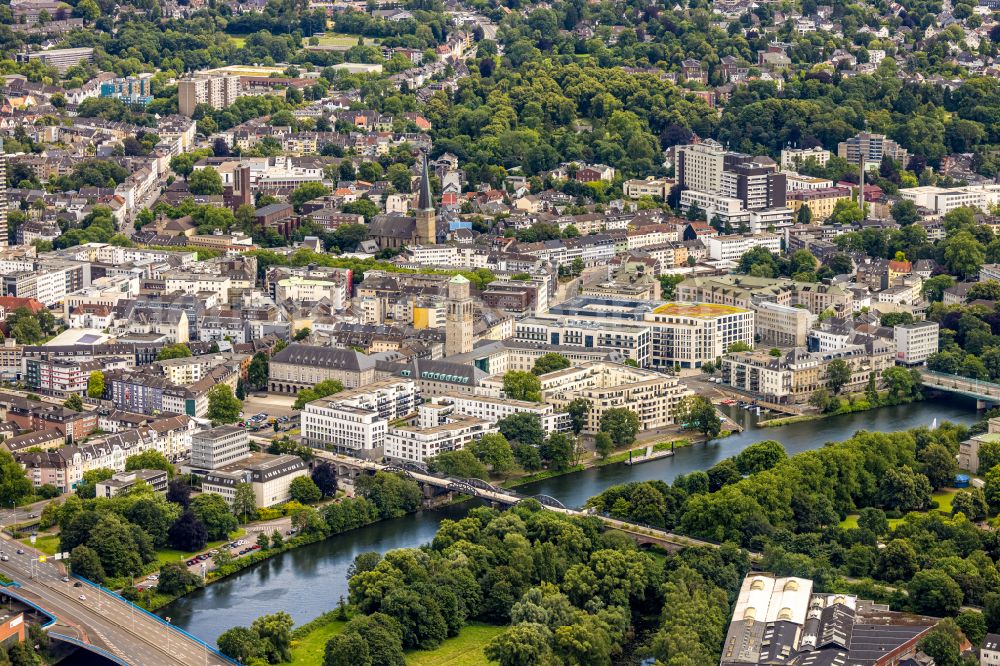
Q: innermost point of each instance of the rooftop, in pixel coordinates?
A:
(698, 310)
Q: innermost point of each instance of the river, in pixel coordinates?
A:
(310, 580)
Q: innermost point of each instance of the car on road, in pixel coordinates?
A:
(65, 579)
(34, 515)
(4, 558)
(83, 597)
(77, 584)
(20, 551)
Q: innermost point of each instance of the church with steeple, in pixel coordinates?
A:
(395, 231)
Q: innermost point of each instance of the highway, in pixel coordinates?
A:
(100, 618)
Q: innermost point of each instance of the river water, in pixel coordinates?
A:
(309, 581)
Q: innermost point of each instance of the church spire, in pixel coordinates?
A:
(425, 201)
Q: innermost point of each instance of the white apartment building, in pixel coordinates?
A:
(796, 181)
(435, 432)
(652, 234)
(106, 291)
(632, 339)
(942, 200)
(700, 166)
(692, 334)
(782, 325)
(653, 396)
(731, 248)
(298, 288)
(218, 447)
(729, 209)
(915, 342)
(195, 283)
(355, 422)
(793, 158)
(492, 409)
(657, 188)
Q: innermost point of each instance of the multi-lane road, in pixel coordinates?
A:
(98, 618)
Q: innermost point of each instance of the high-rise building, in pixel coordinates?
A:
(871, 147)
(426, 228)
(3, 196)
(700, 165)
(458, 324)
(756, 182)
(216, 90)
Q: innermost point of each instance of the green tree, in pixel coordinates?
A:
(522, 428)
(550, 363)
(621, 423)
(603, 444)
(973, 625)
(258, 372)
(461, 464)
(804, 215)
(938, 465)
(393, 496)
(245, 502)
(992, 489)
(27, 331)
(933, 287)
(275, 632)
(240, 643)
(558, 450)
(519, 385)
(305, 491)
(206, 181)
(943, 643)
(963, 254)
(175, 579)
(95, 383)
(178, 350)
(905, 212)
(989, 456)
(699, 413)
(321, 390)
(494, 451)
(760, 457)
(223, 406)
(74, 402)
(150, 459)
(520, 645)
(85, 562)
(933, 592)
(838, 374)
(348, 649)
(86, 487)
(325, 477)
(578, 410)
(212, 510)
(970, 503)
(307, 192)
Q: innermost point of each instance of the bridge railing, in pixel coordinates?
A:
(159, 619)
(976, 384)
(87, 646)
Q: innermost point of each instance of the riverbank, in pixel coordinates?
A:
(308, 581)
(855, 404)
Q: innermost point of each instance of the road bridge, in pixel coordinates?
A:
(985, 393)
(642, 534)
(97, 619)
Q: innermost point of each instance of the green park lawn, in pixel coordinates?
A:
(238, 41)
(334, 39)
(47, 543)
(942, 497)
(309, 650)
(466, 649)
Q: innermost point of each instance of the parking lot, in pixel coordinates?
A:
(272, 405)
(264, 423)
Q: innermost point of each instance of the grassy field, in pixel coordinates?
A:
(942, 497)
(309, 650)
(334, 39)
(238, 41)
(47, 543)
(466, 649)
